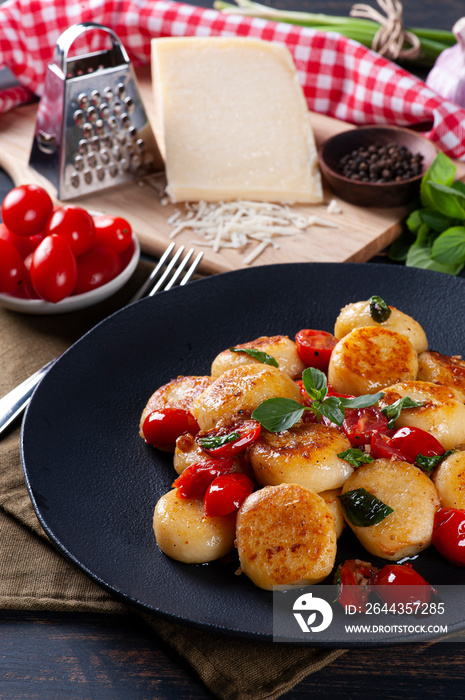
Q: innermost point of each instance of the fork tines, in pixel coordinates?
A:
(167, 272)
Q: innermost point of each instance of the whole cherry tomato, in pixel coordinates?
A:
(96, 267)
(25, 245)
(195, 479)
(449, 534)
(413, 441)
(53, 268)
(76, 224)
(360, 423)
(400, 584)
(226, 494)
(229, 440)
(26, 209)
(315, 347)
(162, 427)
(13, 272)
(113, 231)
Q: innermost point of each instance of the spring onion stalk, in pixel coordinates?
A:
(432, 41)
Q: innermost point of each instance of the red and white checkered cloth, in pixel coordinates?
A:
(339, 77)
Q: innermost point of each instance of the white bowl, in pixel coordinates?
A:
(78, 301)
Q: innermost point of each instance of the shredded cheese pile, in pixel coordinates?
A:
(237, 224)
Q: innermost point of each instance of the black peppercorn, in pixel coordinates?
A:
(381, 163)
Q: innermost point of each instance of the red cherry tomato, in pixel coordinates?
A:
(76, 224)
(162, 427)
(12, 270)
(415, 441)
(235, 438)
(195, 479)
(449, 534)
(95, 268)
(25, 245)
(226, 494)
(401, 584)
(360, 423)
(354, 578)
(113, 231)
(315, 347)
(53, 268)
(26, 209)
(381, 447)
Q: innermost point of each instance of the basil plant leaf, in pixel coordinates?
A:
(363, 509)
(278, 414)
(213, 441)
(315, 383)
(449, 246)
(259, 355)
(430, 463)
(441, 170)
(379, 310)
(355, 456)
(362, 401)
(331, 408)
(393, 411)
(447, 200)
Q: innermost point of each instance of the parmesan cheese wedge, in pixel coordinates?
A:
(232, 121)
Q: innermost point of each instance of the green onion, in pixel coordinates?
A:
(432, 41)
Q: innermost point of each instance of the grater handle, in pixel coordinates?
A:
(69, 36)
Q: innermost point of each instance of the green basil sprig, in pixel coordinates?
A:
(355, 456)
(379, 310)
(213, 441)
(393, 411)
(363, 509)
(259, 355)
(281, 414)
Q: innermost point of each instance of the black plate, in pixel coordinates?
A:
(94, 482)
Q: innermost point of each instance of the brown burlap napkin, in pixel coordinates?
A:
(34, 575)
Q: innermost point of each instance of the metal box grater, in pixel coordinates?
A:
(92, 130)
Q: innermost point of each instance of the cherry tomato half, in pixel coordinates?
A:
(381, 447)
(415, 441)
(360, 423)
(76, 224)
(25, 245)
(226, 494)
(26, 209)
(401, 584)
(12, 270)
(229, 440)
(96, 267)
(449, 534)
(162, 427)
(53, 268)
(113, 231)
(195, 479)
(354, 580)
(315, 347)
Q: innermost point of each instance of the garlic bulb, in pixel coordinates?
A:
(447, 77)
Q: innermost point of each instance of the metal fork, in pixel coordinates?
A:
(163, 277)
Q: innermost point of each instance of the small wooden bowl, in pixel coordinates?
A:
(373, 194)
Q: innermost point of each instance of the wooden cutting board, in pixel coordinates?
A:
(360, 233)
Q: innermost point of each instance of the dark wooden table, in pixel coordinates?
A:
(108, 657)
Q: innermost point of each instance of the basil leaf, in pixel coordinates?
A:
(278, 414)
(449, 246)
(356, 456)
(435, 220)
(379, 310)
(315, 383)
(259, 355)
(430, 463)
(214, 441)
(331, 408)
(363, 509)
(419, 255)
(414, 221)
(442, 170)
(447, 200)
(362, 401)
(393, 411)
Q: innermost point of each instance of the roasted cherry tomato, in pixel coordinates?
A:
(53, 268)
(315, 347)
(162, 427)
(354, 579)
(12, 270)
(230, 440)
(26, 209)
(95, 268)
(113, 231)
(76, 224)
(195, 479)
(25, 245)
(359, 424)
(449, 534)
(381, 447)
(401, 584)
(415, 441)
(226, 494)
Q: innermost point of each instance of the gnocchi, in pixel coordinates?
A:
(280, 347)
